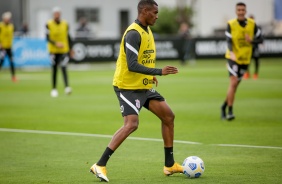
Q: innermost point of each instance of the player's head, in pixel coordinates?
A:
(147, 12)
(241, 10)
(56, 13)
(252, 17)
(6, 17)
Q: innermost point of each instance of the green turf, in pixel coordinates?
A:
(195, 95)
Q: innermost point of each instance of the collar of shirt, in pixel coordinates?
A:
(243, 23)
(143, 27)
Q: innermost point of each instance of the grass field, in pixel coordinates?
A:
(34, 149)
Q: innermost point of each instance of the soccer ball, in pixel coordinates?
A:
(193, 167)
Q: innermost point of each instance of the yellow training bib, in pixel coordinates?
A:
(58, 33)
(123, 78)
(6, 35)
(240, 47)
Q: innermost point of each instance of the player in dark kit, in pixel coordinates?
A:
(255, 55)
(6, 42)
(133, 81)
(241, 33)
(59, 48)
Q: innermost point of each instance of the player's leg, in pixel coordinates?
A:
(255, 76)
(130, 125)
(247, 74)
(2, 57)
(184, 50)
(1, 63)
(54, 63)
(131, 121)
(130, 111)
(64, 61)
(234, 80)
(165, 114)
(233, 84)
(12, 67)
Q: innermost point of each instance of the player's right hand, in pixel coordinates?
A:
(59, 45)
(233, 56)
(169, 70)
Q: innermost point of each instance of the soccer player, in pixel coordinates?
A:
(133, 80)
(255, 55)
(59, 42)
(6, 42)
(241, 33)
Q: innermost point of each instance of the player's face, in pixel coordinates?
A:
(152, 15)
(6, 20)
(241, 12)
(57, 16)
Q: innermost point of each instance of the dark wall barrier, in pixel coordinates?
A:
(215, 48)
(108, 50)
(168, 48)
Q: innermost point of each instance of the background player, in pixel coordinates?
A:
(133, 81)
(59, 44)
(255, 55)
(6, 42)
(241, 34)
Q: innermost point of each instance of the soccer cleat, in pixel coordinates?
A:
(255, 76)
(100, 172)
(246, 75)
(176, 168)
(68, 90)
(14, 79)
(54, 93)
(230, 117)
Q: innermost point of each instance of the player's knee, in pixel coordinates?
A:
(169, 118)
(132, 125)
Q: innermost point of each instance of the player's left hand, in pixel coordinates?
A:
(248, 38)
(155, 81)
(169, 70)
(72, 53)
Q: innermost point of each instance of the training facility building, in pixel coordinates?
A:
(109, 18)
(106, 19)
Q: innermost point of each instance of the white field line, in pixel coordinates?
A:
(131, 138)
(247, 146)
(86, 135)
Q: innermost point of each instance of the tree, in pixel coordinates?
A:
(170, 19)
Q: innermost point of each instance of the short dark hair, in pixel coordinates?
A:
(241, 4)
(143, 3)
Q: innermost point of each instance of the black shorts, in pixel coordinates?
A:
(131, 101)
(8, 52)
(61, 59)
(235, 69)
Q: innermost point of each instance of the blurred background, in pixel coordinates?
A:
(96, 27)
